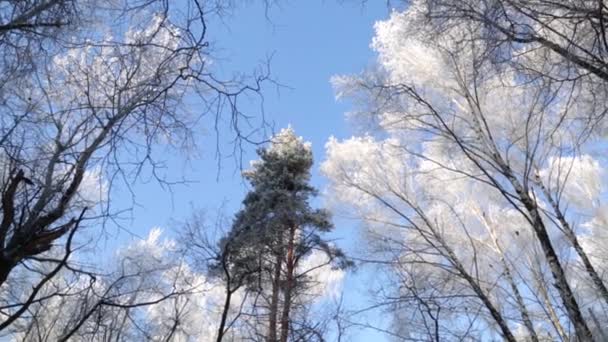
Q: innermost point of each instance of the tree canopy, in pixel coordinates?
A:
(471, 196)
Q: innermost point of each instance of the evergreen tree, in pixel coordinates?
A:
(276, 229)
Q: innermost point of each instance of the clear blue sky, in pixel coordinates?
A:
(310, 41)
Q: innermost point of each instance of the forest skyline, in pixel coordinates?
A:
(425, 170)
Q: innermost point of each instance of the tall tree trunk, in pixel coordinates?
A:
(498, 318)
(557, 271)
(289, 286)
(220, 332)
(541, 288)
(523, 310)
(571, 236)
(274, 302)
(446, 250)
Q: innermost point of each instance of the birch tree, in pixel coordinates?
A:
(475, 180)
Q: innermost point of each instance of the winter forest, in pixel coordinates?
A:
(282, 171)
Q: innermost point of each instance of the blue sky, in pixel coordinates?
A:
(310, 41)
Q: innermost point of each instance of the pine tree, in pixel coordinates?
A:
(277, 228)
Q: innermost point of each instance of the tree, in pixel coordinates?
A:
(200, 243)
(27, 28)
(120, 303)
(475, 180)
(562, 43)
(562, 47)
(572, 33)
(276, 233)
(89, 90)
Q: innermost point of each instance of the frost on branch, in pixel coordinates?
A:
(475, 188)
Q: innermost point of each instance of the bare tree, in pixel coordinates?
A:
(80, 304)
(102, 85)
(201, 243)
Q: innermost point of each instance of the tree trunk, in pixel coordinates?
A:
(541, 288)
(561, 283)
(5, 269)
(518, 297)
(289, 286)
(571, 236)
(580, 326)
(220, 332)
(557, 271)
(498, 318)
(274, 303)
(446, 250)
(523, 310)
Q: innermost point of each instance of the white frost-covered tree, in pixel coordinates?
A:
(146, 292)
(89, 91)
(480, 186)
